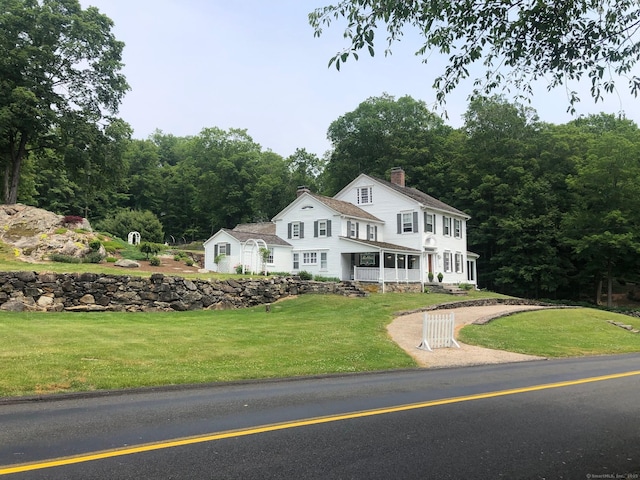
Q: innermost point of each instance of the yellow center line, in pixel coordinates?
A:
(58, 462)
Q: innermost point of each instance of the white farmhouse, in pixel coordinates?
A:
(373, 230)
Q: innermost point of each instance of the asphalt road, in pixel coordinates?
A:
(574, 418)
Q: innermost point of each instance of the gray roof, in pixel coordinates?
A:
(382, 245)
(345, 208)
(269, 239)
(260, 227)
(423, 198)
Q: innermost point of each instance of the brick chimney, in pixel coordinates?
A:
(397, 176)
(302, 189)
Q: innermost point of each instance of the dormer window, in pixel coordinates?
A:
(364, 195)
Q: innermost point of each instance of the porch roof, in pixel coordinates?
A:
(382, 245)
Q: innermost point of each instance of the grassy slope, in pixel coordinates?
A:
(556, 333)
(312, 334)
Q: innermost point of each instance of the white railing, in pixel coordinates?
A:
(438, 331)
(372, 274)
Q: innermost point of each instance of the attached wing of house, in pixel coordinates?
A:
(245, 249)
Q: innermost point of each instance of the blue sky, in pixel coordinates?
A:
(255, 65)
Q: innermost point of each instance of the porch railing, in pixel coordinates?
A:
(372, 274)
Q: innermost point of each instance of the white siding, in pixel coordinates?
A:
(230, 261)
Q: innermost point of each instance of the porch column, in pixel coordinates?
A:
(381, 267)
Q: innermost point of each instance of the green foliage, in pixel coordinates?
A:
(440, 277)
(60, 231)
(382, 133)
(60, 258)
(321, 278)
(465, 286)
(92, 257)
(60, 67)
(533, 40)
(154, 261)
(125, 221)
(111, 259)
(149, 248)
(95, 245)
(189, 262)
(304, 275)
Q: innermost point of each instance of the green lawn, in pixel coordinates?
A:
(314, 334)
(556, 333)
(43, 353)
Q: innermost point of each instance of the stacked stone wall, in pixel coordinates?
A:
(97, 292)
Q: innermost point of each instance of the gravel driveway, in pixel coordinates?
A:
(406, 331)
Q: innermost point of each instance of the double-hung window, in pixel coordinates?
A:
(457, 228)
(322, 228)
(447, 261)
(323, 260)
(429, 222)
(296, 261)
(407, 222)
(446, 226)
(458, 259)
(295, 230)
(364, 195)
(270, 256)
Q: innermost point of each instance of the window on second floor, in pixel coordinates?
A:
(429, 222)
(295, 230)
(322, 228)
(457, 228)
(372, 233)
(353, 229)
(364, 195)
(446, 226)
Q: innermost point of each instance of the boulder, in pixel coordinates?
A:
(125, 263)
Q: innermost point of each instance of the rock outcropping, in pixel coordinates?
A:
(34, 233)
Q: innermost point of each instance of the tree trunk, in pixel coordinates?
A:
(12, 169)
(599, 292)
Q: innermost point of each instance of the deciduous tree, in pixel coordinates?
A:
(57, 61)
(516, 42)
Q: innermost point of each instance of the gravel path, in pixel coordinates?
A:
(406, 331)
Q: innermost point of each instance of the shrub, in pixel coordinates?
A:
(188, 262)
(149, 248)
(126, 221)
(465, 286)
(70, 220)
(154, 261)
(111, 259)
(304, 275)
(95, 245)
(238, 269)
(60, 258)
(92, 257)
(320, 278)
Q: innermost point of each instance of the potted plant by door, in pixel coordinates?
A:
(430, 275)
(440, 277)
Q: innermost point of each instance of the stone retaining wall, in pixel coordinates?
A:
(20, 291)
